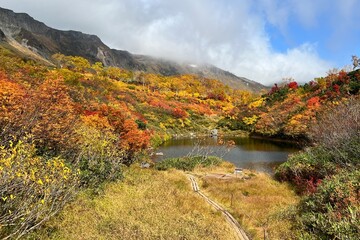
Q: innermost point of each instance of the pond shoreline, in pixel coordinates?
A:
(221, 134)
(301, 143)
(260, 155)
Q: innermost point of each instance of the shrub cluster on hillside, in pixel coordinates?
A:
(337, 140)
(75, 125)
(32, 188)
(333, 211)
(289, 111)
(327, 174)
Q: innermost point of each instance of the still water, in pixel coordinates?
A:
(250, 153)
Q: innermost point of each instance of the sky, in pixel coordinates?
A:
(263, 40)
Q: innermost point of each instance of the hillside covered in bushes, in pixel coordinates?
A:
(289, 111)
(324, 115)
(76, 124)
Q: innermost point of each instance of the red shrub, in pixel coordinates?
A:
(179, 113)
(313, 102)
(336, 88)
(293, 85)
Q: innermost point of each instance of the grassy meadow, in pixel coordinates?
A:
(260, 204)
(152, 204)
(148, 204)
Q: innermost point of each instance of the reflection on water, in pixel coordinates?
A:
(257, 154)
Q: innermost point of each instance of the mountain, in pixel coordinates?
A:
(34, 39)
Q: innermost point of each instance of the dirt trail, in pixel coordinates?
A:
(229, 218)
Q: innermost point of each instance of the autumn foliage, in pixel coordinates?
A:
(288, 111)
(32, 189)
(75, 125)
(327, 174)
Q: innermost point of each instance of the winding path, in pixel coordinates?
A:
(240, 233)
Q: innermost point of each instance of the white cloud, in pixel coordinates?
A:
(229, 34)
(301, 63)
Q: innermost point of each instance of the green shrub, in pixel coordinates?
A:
(188, 163)
(232, 124)
(354, 85)
(99, 158)
(307, 168)
(141, 125)
(333, 212)
(277, 95)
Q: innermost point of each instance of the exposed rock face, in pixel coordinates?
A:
(2, 36)
(12, 23)
(45, 41)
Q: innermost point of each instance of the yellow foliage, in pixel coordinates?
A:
(97, 122)
(257, 103)
(121, 85)
(297, 124)
(183, 94)
(169, 94)
(162, 126)
(32, 188)
(250, 120)
(187, 122)
(228, 107)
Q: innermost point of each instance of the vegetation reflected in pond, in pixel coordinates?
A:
(257, 154)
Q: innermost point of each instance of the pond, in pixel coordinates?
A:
(250, 153)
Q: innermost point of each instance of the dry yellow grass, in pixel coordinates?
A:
(148, 204)
(258, 202)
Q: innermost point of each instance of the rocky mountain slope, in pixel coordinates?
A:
(34, 39)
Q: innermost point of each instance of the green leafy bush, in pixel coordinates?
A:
(333, 212)
(277, 94)
(232, 124)
(141, 124)
(99, 159)
(188, 163)
(354, 85)
(306, 169)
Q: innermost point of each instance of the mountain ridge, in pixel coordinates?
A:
(45, 41)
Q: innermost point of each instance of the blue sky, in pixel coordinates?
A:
(331, 25)
(263, 40)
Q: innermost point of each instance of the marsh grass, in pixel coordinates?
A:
(188, 163)
(262, 205)
(148, 204)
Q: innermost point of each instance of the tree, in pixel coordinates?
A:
(356, 61)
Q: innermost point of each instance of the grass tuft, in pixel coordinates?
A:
(188, 163)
